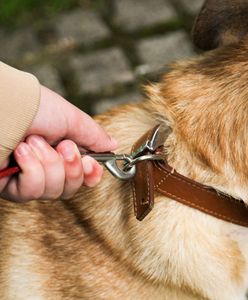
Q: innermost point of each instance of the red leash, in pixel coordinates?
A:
(9, 171)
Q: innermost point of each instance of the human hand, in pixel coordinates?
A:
(48, 172)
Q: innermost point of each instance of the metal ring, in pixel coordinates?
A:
(123, 174)
(134, 161)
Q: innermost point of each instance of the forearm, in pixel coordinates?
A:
(19, 102)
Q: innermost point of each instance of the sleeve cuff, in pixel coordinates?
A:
(19, 103)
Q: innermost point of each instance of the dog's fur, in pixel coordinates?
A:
(92, 247)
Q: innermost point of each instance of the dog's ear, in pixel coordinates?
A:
(220, 23)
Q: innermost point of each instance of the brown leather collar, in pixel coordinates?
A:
(159, 176)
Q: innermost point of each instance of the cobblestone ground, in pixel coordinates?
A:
(99, 55)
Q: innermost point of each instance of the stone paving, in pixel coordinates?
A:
(99, 56)
(131, 15)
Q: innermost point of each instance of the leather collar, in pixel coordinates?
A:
(159, 176)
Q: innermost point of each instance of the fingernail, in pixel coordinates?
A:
(38, 141)
(22, 149)
(68, 153)
(88, 165)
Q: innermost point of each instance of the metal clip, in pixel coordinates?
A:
(138, 159)
(127, 168)
(109, 159)
(154, 142)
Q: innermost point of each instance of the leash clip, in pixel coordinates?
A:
(123, 166)
(110, 161)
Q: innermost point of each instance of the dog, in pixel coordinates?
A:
(92, 247)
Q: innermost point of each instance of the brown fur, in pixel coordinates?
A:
(92, 247)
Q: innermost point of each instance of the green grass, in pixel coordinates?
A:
(14, 12)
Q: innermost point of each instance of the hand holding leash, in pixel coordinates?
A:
(48, 173)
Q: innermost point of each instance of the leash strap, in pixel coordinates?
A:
(142, 183)
(9, 171)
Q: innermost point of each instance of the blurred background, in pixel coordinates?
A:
(97, 54)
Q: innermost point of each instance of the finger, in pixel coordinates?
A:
(30, 183)
(52, 164)
(92, 171)
(73, 168)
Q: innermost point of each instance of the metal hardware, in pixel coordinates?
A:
(134, 161)
(122, 174)
(107, 156)
(110, 159)
(158, 138)
(154, 142)
(126, 168)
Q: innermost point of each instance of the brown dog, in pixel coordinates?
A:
(92, 247)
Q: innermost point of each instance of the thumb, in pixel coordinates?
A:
(84, 131)
(58, 119)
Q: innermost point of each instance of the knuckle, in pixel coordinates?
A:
(26, 198)
(65, 196)
(33, 191)
(32, 186)
(55, 195)
(52, 160)
(23, 199)
(92, 182)
(32, 169)
(65, 143)
(33, 194)
(76, 174)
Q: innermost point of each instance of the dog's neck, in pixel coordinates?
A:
(105, 213)
(208, 113)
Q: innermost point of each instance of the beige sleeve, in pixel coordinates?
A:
(19, 102)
